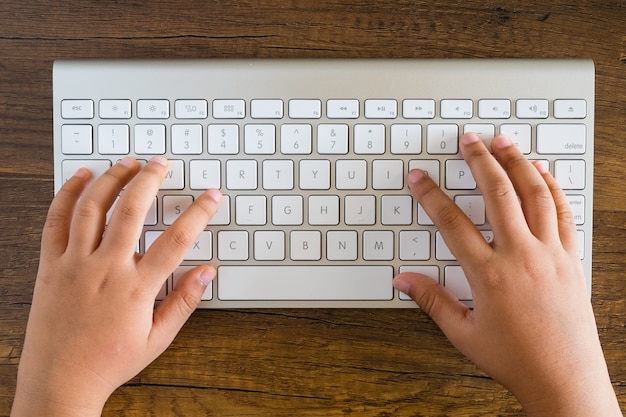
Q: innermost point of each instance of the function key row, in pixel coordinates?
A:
(335, 109)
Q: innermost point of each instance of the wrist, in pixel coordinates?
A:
(57, 394)
(577, 394)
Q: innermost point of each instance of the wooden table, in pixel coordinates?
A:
(300, 362)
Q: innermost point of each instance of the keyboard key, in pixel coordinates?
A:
(378, 245)
(186, 139)
(332, 139)
(305, 109)
(153, 109)
(369, 139)
(570, 109)
(457, 109)
(229, 109)
(77, 109)
(149, 139)
(406, 139)
(519, 134)
(181, 270)
(223, 139)
(577, 204)
(97, 167)
(341, 245)
(287, 210)
(342, 109)
(381, 109)
(241, 174)
(570, 174)
(431, 271)
(232, 245)
(351, 174)
(314, 174)
(191, 109)
(418, 109)
(396, 209)
(269, 245)
(205, 174)
(456, 281)
(278, 174)
(430, 167)
(415, 245)
(250, 210)
(388, 174)
(473, 206)
(561, 139)
(494, 109)
(222, 217)
(287, 282)
(485, 131)
(531, 109)
(323, 210)
(442, 139)
(260, 139)
(76, 139)
(306, 245)
(360, 210)
(173, 206)
(115, 109)
(266, 109)
(459, 176)
(175, 176)
(295, 139)
(113, 139)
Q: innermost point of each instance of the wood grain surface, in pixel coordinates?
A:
(300, 362)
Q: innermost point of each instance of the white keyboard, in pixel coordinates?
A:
(312, 157)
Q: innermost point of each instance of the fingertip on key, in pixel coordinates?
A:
(501, 142)
(470, 138)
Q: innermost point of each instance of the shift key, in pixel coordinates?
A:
(561, 139)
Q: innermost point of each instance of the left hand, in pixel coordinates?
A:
(93, 324)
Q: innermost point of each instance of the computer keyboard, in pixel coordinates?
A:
(312, 158)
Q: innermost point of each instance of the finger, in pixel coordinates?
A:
(565, 217)
(537, 202)
(461, 236)
(501, 202)
(436, 301)
(126, 223)
(166, 253)
(90, 213)
(172, 313)
(56, 230)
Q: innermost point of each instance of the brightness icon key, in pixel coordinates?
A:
(115, 109)
(153, 109)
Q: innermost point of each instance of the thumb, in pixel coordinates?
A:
(436, 301)
(172, 313)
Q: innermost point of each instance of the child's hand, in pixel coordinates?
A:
(532, 327)
(93, 324)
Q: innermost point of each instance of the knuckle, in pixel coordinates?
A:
(89, 209)
(449, 217)
(179, 238)
(128, 211)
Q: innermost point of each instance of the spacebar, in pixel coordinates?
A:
(305, 282)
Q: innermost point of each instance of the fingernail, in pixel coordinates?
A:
(159, 160)
(470, 138)
(415, 175)
(128, 162)
(542, 167)
(215, 195)
(402, 285)
(82, 173)
(501, 142)
(206, 277)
